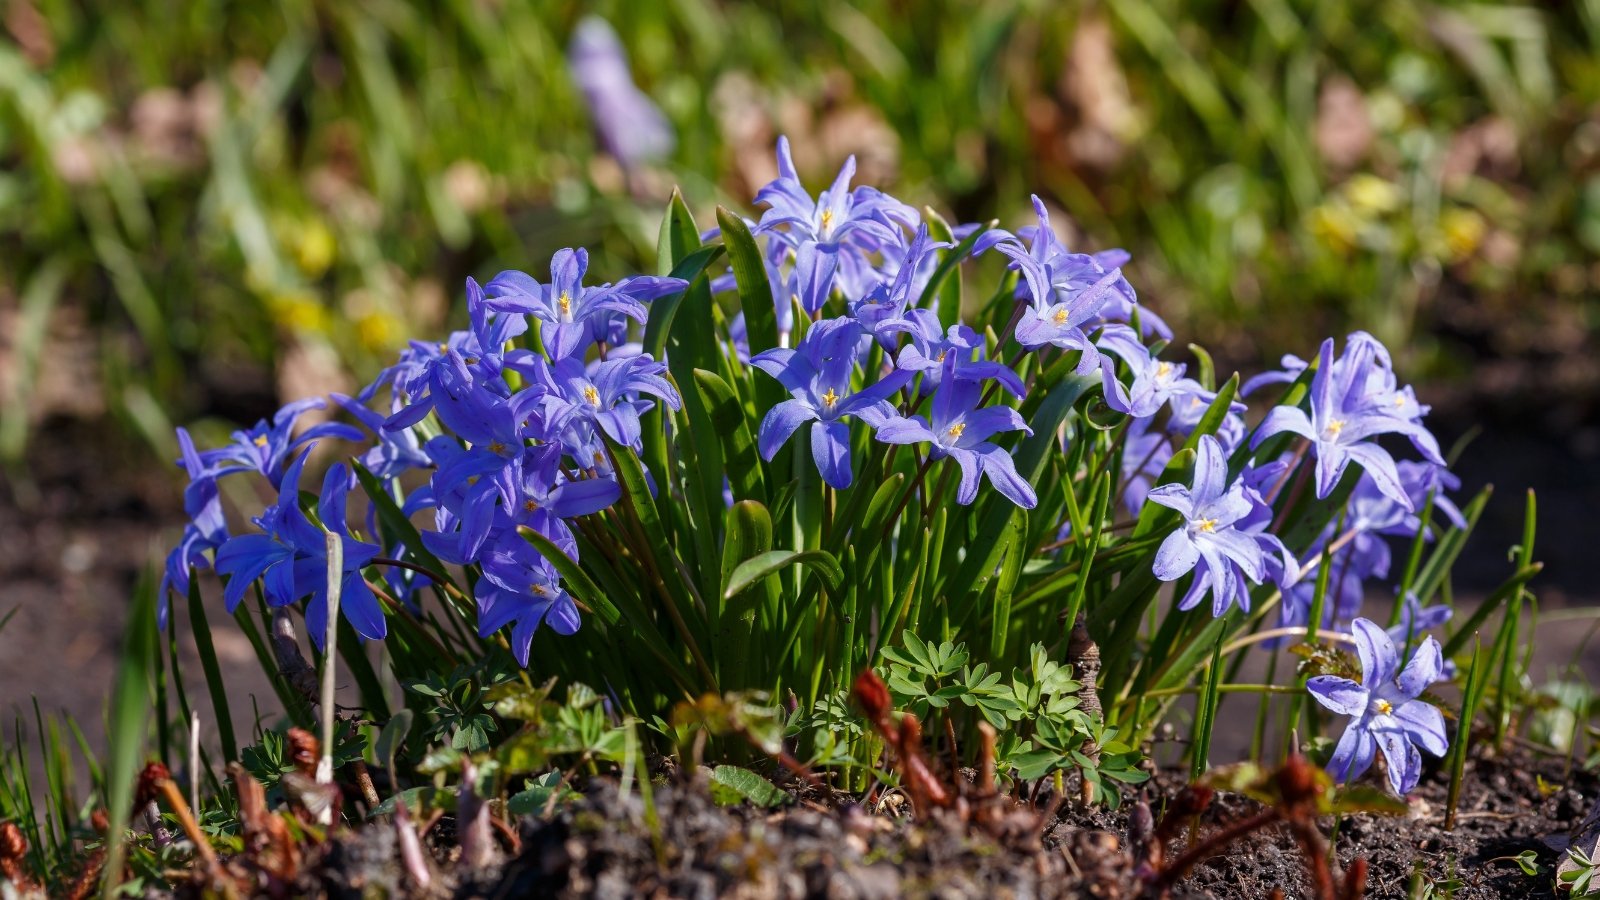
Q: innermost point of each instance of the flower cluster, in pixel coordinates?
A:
(513, 427)
(510, 438)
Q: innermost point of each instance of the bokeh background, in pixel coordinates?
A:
(207, 208)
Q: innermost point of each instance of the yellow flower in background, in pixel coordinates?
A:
(1335, 225)
(1464, 230)
(308, 241)
(378, 331)
(300, 311)
(314, 248)
(1371, 196)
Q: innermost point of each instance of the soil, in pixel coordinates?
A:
(602, 846)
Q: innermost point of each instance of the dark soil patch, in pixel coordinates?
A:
(603, 846)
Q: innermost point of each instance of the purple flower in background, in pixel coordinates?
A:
(1416, 619)
(960, 430)
(1145, 454)
(817, 375)
(571, 312)
(266, 448)
(887, 303)
(1209, 538)
(1386, 713)
(1291, 367)
(1338, 428)
(631, 127)
(520, 586)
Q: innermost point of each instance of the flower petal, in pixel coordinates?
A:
(780, 424)
(1353, 755)
(1176, 557)
(1378, 657)
(1341, 695)
(1425, 667)
(830, 447)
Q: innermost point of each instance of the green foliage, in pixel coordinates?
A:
(268, 759)
(458, 704)
(1582, 875)
(731, 785)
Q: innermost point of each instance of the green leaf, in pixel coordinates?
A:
(536, 797)
(201, 629)
(755, 296)
(129, 722)
(731, 785)
(773, 561)
(749, 534)
(392, 739)
(732, 428)
(417, 799)
(1365, 798)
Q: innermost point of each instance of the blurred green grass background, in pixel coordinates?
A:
(206, 206)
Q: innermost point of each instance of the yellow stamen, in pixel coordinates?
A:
(1163, 370)
(830, 398)
(1061, 316)
(444, 348)
(261, 440)
(538, 590)
(1206, 525)
(1399, 400)
(1385, 707)
(957, 429)
(564, 303)
(591, 395)
(497, 448)
(470, 360)
(1334, 427)
(827, 219)
(943, 354)
(530, 506)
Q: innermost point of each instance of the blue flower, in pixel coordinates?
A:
(1344, 414)
(1069, 293)
(266, 448)
(1211, 537)
(396, 450)
(290, 557)
(1155, 383)
(1386, 713)
(863, 221)
(960, 430)
(603, 395)
(206, 529)
(520, 586)
(818, 375)
(482, 349)
(569, 310)
(930, 347)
